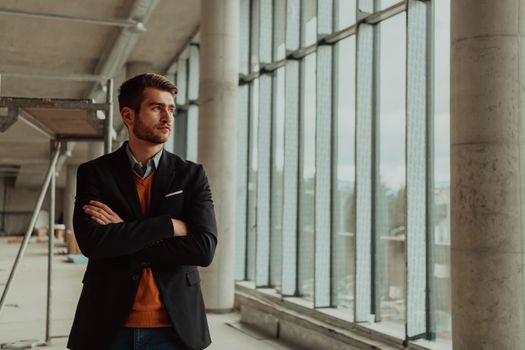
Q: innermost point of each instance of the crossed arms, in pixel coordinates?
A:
(103, 215)
(161, 240)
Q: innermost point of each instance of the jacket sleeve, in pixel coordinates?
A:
(198, 247)
(113, 240)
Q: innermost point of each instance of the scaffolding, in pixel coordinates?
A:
(64, 120)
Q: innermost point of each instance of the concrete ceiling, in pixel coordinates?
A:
(51, 58)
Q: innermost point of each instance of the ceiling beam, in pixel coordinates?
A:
(126, 23)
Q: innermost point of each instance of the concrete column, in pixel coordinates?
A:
(218, 82)
(69, 194)
(487, 174)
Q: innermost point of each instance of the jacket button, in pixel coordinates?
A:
(135, 277)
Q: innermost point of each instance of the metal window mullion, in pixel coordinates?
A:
(337, 250)
(262, 275)
(416, 289)
(291, 179)
(363, 159)
(323, 177)
(430, 69)
(242, 182)
(379, 253)
(252, 180)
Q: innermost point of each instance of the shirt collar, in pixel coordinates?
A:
(152, 164)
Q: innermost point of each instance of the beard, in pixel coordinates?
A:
(148, 134)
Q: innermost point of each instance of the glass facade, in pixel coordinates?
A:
(343, 159)
(440, 262)
(343, 190)
(307, 178)
(390, 191)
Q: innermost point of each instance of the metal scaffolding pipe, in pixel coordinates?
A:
(23, 246)
(51, 241)
(108, 123)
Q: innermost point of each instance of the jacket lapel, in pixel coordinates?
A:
(126, 182)
(162, 181)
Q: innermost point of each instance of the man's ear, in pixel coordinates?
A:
(128, 116)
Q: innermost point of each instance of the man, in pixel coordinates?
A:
(145, 219)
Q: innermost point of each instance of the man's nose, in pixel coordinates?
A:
(165, 115)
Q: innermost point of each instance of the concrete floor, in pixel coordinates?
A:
(23, 316)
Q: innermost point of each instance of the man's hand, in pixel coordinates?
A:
(179, 228)
(101, 213)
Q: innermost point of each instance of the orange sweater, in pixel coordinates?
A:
(148, 310)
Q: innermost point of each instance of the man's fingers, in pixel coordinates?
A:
(93, 209)
(101, 206)
(97, 212)
(102, 211)
(110, 214)
(98, 220)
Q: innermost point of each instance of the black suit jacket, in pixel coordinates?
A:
(118, 252)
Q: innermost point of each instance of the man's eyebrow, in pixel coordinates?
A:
(160, 104)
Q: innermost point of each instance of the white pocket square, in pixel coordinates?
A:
(173, 193)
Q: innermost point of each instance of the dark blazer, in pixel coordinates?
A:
(118, 252)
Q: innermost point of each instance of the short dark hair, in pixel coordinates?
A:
(132, 90)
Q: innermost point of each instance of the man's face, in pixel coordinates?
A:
(154, 121)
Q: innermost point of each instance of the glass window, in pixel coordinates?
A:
(291, 250)
(265, 31)
(308, 22)
(244, 37)
(180, 132)
(306, 184)
(262, 258)
(293, 11)
(192, 144)
(345, 14)
(384, 4)
(182, 81)
(343, 229)
(441, 215)
(254, 36)
(279, 30)
(291, 178)
(390, 191)
(366, 6)
(243, 114)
